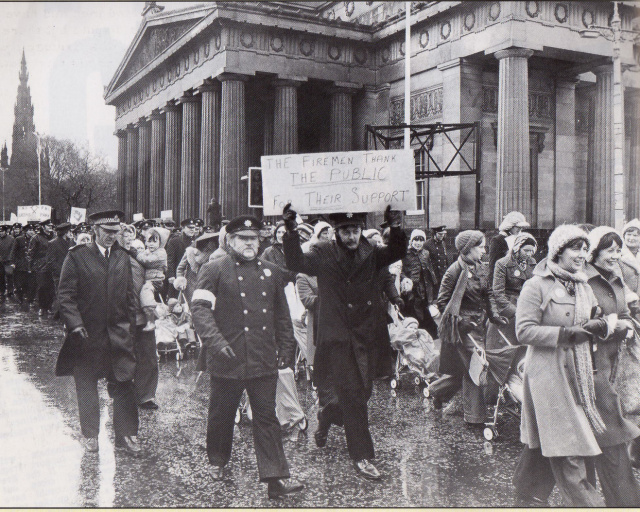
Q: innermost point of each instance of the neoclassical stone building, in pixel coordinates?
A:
(204, 91)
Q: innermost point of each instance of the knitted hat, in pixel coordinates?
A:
(466, 240)
(595, 236)
(513, 219)
(417, 232)
(523, 239)
(368, 233)
(564, 235)
(632, 224)
(320, 227)
(306, 228)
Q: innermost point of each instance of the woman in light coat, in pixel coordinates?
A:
(559, 412)
(630, 259)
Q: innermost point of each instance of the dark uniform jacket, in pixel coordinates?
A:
(508, 280)
(611, 298)
(417, 266)
(37, 252)
(98, 294)
(250, 314)
(351, 315)
(275, 254)
(20, 253)
(56, 253)
(7, 248)
(439, 258)
(498, 248)
(175, 248)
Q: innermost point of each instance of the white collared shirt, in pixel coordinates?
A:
(102, 249)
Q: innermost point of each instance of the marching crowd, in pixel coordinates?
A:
(577, 310)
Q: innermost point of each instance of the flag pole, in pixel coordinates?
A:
(407, 75)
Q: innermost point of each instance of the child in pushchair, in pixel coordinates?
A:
(173, 329)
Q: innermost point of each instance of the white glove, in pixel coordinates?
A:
(406, 285)
(180, 283)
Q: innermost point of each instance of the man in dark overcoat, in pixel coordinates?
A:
(352, 325)
(240, 311)
(97, 305)
(176, 246)
(7, 249)
(438, 253)
(23, 278)
(56, 253)
(37, 255)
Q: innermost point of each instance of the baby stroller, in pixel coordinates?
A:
(416, 352)
(506, 366)
(174, 330)
(288, 408)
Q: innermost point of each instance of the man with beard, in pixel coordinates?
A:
(352, 327)
(37, 255)
(240, 311)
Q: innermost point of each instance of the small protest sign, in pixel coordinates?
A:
(36, 212)
(166, 214)
(77, 215)
(352, 181)
(138, 216)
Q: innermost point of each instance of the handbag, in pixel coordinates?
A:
(628, 377)
(478, 365)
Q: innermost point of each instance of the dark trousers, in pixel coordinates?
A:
(533, 477)
(45, 290)
(25, 285)
(267, 435)
(146, 377)
(6, 281)
(125, 411)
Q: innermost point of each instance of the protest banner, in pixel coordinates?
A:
(36, 212)
(166, 214)
(351, 181)
(77, 215)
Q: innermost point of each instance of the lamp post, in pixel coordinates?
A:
(617, 36)
(3, 169)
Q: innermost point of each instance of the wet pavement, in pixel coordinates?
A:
(428, 457)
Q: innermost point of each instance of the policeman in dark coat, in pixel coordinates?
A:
(23, 279)
(56, 253)
(37, 255)
(351, 322)
(240, 311)
(438, 253)
(175, 250)
(97, 305)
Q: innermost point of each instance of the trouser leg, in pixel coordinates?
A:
(31, 287)
(571, 477)
(533, 477)
(223, 403)
(146, 378)
(353, 402)
(329, 411)
(125, 410)
(9, 282)
(473, 402)
(45, 285)
(267, 433)
(619, 486)
(88, 401)
(55, 306)
(18, 283)
(3, 276)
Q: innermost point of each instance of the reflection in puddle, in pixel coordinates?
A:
(107, 490)
(40, 460)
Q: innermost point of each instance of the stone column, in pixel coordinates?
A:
(364, 113)
(513, 166)
(602, 198)
(565, 186)
(285, 117)
(122, 167)
(156, 180)
(633, 129)
(209, 146)
(144, 166)
(132, 172)
(173, 148)
(341, 118)
(190, 165)
(234, 156)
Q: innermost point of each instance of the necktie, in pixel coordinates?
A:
(106, 253)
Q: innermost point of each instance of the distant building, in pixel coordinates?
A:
(204, 91)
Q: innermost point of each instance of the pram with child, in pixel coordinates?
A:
(173, 328)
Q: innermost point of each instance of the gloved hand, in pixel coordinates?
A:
(393, 218)
(597, 326)
(575, 334)
(499, 320)
(180, 283)
(399, 302)
(406, 285)
(80, 332)
(622, 327)
(228, 353)
(171, 280)
(284, 362)
(289, 217)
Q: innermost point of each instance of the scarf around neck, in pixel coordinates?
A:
(581, 351)
(448, 330)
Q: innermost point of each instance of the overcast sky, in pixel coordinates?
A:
(72, 51)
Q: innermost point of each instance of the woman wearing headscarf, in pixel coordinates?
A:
(417, 268)
(500, 245)
(561, 413)
(192, 259)
(322, 231)
(275, 254)
(465, 306)
(630, 259)
(509, 276)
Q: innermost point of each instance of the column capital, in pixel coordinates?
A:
(223, 77)
(453, 63)
(209, 85)
(344, 87)
(286, 82)
(121, 134)
(143, 121)
(189, 98)
(156, 114)
(131, 127)
(523, 53)
(602, 69)
(170, 107)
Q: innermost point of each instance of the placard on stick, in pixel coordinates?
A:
(351, 181)
(77, 215)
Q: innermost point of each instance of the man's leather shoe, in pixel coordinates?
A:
(281, 487)
(149, 404)
(366, 469)
(216, 472)
(91, 444)
(128, 444)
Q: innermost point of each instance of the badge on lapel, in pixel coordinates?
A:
(517, 273)
(267, 272)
